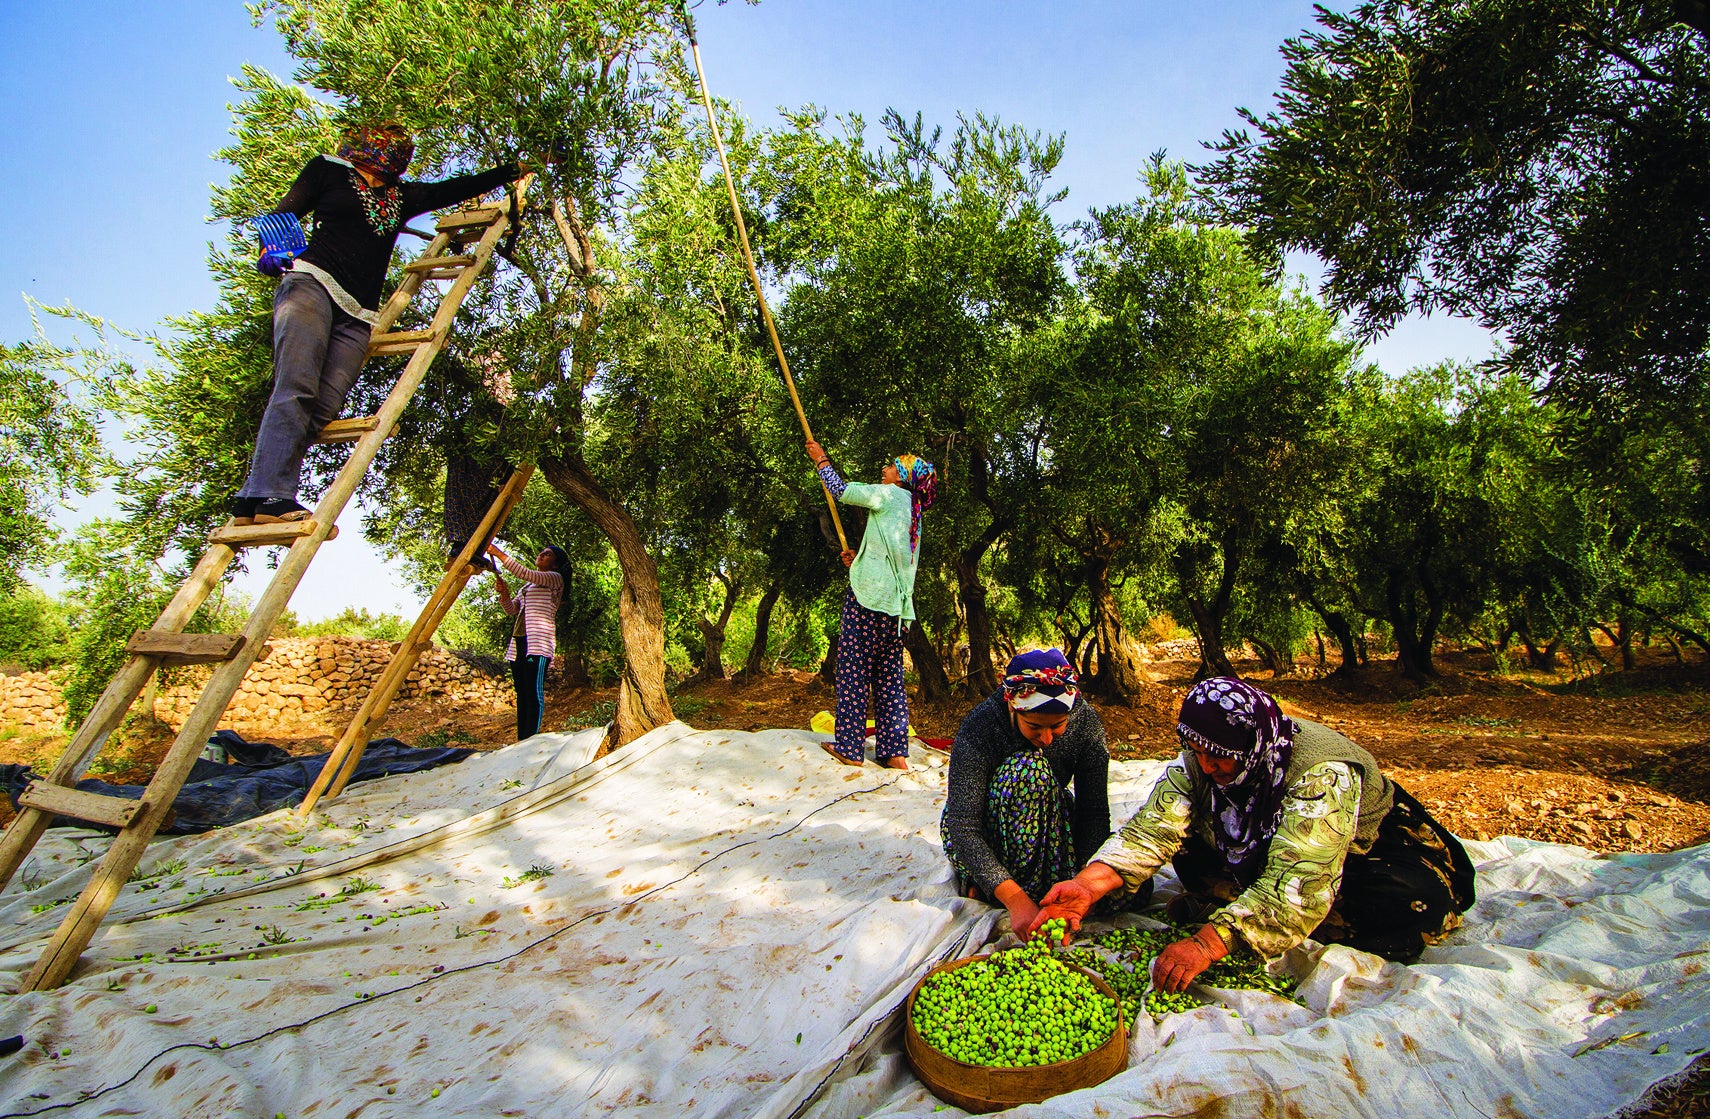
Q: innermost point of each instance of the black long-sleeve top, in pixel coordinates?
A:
(985, 739)
(345, 245)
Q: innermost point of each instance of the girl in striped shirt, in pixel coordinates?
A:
(533, 638)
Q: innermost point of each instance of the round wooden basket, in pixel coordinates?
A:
(980, 1088)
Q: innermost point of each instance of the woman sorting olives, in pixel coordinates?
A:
(1279, 829)
(1011, 826)
(878, 606)
(330, 296)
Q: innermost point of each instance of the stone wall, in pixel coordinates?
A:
(31, 700)
(297, 679)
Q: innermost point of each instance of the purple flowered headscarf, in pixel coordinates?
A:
(1228, 718)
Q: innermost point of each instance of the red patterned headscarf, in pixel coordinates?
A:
(385, 149)
(1041, 682)
(920, 478)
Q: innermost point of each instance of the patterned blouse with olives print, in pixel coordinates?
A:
(1302, 869)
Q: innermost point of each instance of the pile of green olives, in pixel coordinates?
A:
(1126, 964)
(1014, 1009)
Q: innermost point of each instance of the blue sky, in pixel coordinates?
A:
(113, 112)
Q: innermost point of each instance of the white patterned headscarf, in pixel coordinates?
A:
(1042, 682)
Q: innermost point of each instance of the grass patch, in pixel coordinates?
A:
(688, 706)
(441, 737)
(598, 715)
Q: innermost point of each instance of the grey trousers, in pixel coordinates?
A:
(317, 352)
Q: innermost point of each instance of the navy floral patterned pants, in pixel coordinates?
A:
(870, 663)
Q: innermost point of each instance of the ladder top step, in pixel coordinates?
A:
(185, 648)
(436, 263)
(347, 431)
(93, 808)
(465, 219)
(261, 536)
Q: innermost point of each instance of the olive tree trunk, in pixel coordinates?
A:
(712, 633)
(1121, 676)
(755, 666)
(642, 702)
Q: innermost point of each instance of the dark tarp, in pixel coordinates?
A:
(257, 779)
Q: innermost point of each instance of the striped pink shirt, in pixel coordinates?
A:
(538, 601)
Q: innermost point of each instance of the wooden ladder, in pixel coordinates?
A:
(461, 248)
(336, 774)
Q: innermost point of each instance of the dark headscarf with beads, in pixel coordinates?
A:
(385, 150)
(1229, 718)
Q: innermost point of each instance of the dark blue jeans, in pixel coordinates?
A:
(317, 352)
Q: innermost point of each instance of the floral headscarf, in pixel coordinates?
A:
(384, 150)
(921, 480)
(1228, 718)
(1042, 682)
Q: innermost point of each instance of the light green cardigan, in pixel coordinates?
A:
(882, 576)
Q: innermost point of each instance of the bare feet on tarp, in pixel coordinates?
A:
(831, 748)
(895, 763)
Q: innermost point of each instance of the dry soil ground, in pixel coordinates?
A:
(1615, 762)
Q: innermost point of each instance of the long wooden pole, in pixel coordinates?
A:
(748, 259)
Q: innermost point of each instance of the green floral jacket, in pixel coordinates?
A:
(1303, 868)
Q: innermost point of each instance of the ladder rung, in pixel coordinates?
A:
(398, 341)
(261, 536)
(112, 812)
(347, 431)
(439, 263)
(468, 219)
(185, 648)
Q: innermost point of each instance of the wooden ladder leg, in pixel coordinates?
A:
(122, 690)
(341, 765)
(438, 606)
(128, 848)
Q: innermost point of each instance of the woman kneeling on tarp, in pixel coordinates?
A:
(1011, 827)
(1279, 829)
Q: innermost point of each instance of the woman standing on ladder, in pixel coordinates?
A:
(534, 637)
(330, 297)
(878, 605)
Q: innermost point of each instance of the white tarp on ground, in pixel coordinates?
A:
(720, 923)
